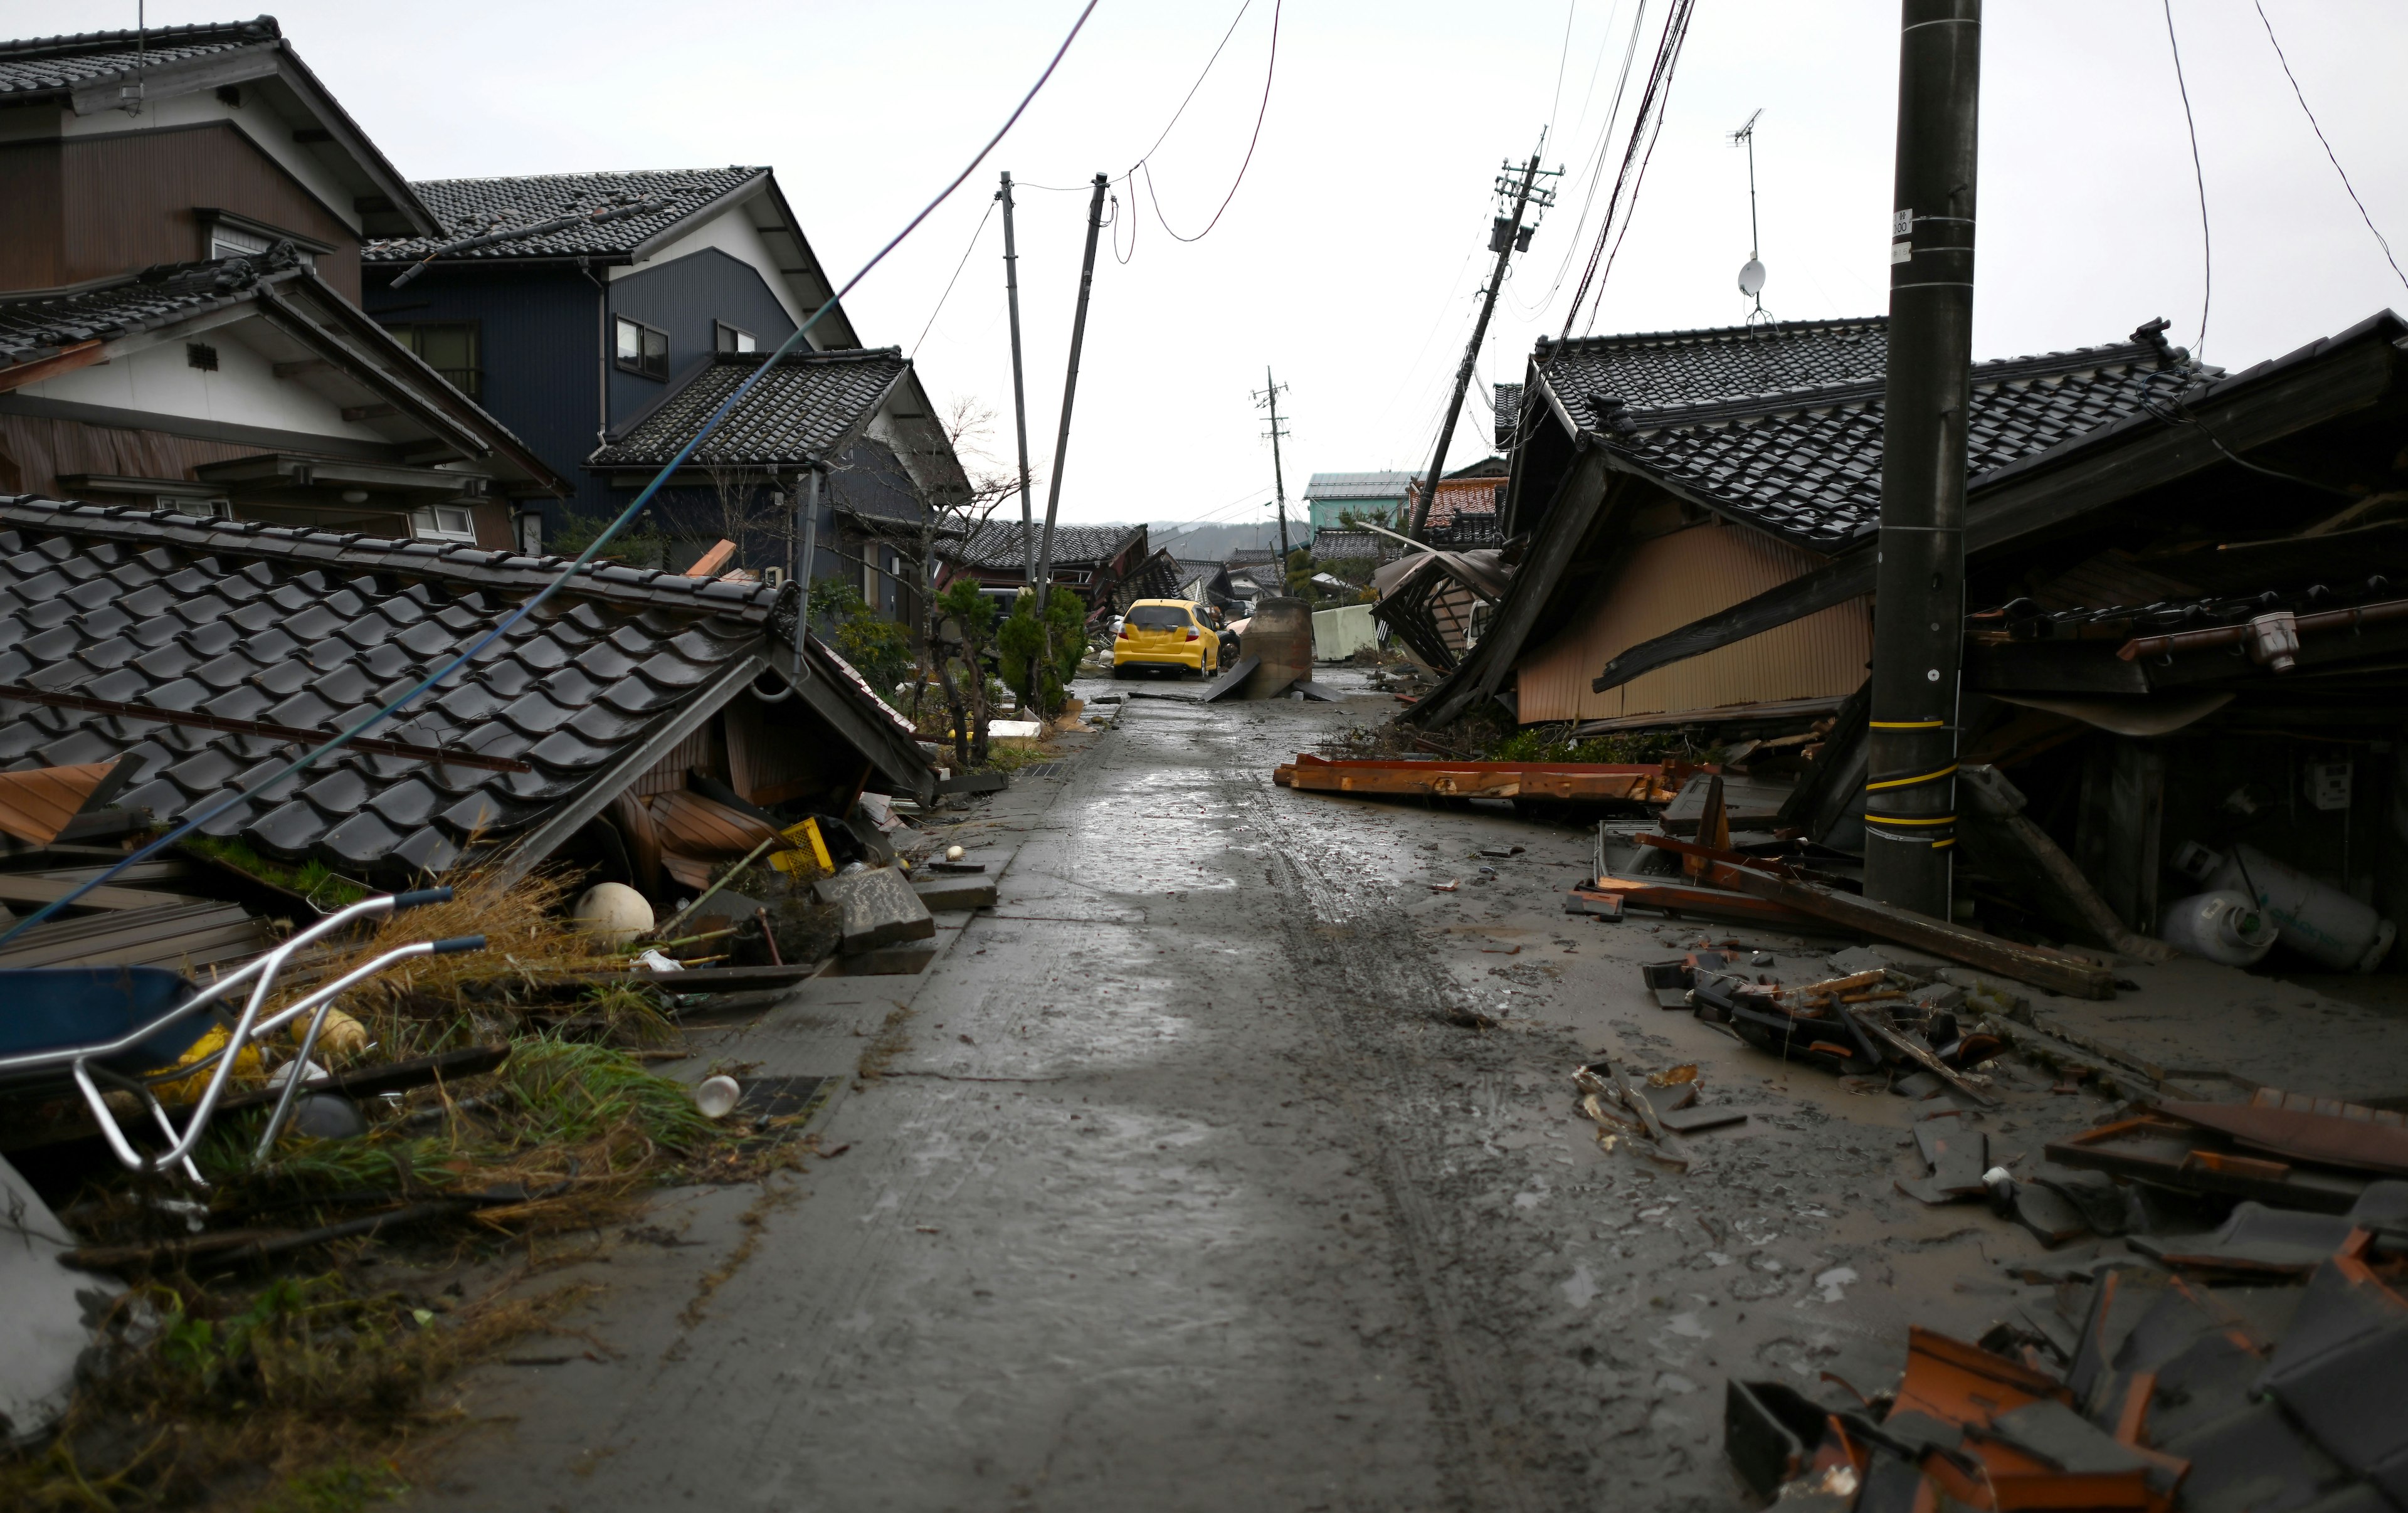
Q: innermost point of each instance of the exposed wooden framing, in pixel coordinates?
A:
(83, 355)
(2036, 964)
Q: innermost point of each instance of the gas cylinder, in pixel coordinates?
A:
(2223, 926)
(2316, 919)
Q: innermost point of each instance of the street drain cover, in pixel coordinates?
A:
(778, 1097)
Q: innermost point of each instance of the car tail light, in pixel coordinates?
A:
(1194, 634)
(1124, 630)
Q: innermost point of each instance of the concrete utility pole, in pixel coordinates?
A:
(1506, 238)
(1019, 388)
(1069, 392)
(1919, 582)
(1269, 396)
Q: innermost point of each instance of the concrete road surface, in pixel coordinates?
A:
(1178, 1183)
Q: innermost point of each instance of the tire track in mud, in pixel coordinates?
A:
(1388, 987)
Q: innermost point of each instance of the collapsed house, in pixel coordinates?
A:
(2182, 580)
(617, 729)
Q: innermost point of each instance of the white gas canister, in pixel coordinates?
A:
(2223, 926)
(2316, 919)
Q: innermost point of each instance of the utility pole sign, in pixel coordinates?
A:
(1507, 236)
(1269, 398)
(1919, 582)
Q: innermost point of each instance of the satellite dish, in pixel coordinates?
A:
(1750, 279)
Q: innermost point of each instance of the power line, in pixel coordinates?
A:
(1270, 69)
(1563, 55)
(2314, 125)
(2207, 249)
(954, 280)
(501, 627)
(1647, 124)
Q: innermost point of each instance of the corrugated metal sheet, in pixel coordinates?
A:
(1664, 585)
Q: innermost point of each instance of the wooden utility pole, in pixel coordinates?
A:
(1919, 581)
(1269, 396)
(1019, 387)
(1069, 392)
(1505, 239)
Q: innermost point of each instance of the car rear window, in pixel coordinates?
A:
(1158, 617)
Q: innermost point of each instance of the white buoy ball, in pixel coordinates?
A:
(612, 912)
(715, 1096)
(953, 853)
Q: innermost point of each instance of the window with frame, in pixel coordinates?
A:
(728, 338)
(637, 347)
(444, 523)
(448, 346)
(241, 241)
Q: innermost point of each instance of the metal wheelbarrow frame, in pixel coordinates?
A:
(87, 1065)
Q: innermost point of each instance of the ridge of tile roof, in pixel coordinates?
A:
(1358, 485)
(1723, 417)
(638, 206)
(316, 630)
(39, 326)
(996, 544)
(808, 406)
(35, 65)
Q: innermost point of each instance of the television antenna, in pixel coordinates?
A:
(1751, 275)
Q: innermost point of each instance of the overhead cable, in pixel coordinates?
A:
(2380, 240)
(1270, 69)
(954, 280)
(1646, 122)
(502, 626)
(2206, 248)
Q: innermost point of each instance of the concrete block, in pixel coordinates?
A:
(876, 908)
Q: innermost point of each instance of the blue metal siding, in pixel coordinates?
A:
(538, 337)
(684, 299)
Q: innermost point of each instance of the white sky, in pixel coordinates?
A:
(1351, 256)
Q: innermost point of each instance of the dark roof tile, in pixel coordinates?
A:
(805, 408)
(616, 212)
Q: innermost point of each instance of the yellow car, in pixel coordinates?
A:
(1166, 632)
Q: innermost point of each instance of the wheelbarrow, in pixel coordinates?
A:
(133, 1028)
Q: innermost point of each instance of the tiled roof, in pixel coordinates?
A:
(996, 544)
(1358, 485)
(313, 629)
(1338, 545)
(1509, 414)
(39, 64)
(811, 404)
(32, 329)
(621, 211)
(1459, 497)
(1673, 367)
(1802, 455)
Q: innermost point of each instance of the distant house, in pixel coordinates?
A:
(1469, 503)
(582, 307)
(1091, 559)
(846, 418)
(179, 271)
(1330, 497)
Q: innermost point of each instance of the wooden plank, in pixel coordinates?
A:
(1689, 899)
(2036, 964)
(20, 888)
(1592, 781)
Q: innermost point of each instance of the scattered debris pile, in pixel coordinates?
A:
(2246, 1372)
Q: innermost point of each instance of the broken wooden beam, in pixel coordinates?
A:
(1691, 898)
(2056, 970)
(1595, 782)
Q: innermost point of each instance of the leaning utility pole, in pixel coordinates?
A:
(1269, 396)
(1070, 390)
(1018, 389)
(1919, 580)
(1506, 238)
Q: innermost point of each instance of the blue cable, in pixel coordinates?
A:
(371, 720)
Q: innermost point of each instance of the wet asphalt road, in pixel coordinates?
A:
(1171, 1185)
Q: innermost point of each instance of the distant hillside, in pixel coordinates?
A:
(1214, 542)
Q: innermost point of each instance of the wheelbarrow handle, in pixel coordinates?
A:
(457, 944)
(421, 895)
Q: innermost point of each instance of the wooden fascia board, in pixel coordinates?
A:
(932, 447)
(185, 75)
(83, 354)
(356, 364)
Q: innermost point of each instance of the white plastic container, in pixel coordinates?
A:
(2315, 918)
(2223, 926)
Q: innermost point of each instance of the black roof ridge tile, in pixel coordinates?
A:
(610, 582)
(257, 29)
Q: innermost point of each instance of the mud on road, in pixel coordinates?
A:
(1180, 1182)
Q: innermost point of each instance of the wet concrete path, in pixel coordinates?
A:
(1173, 1185)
